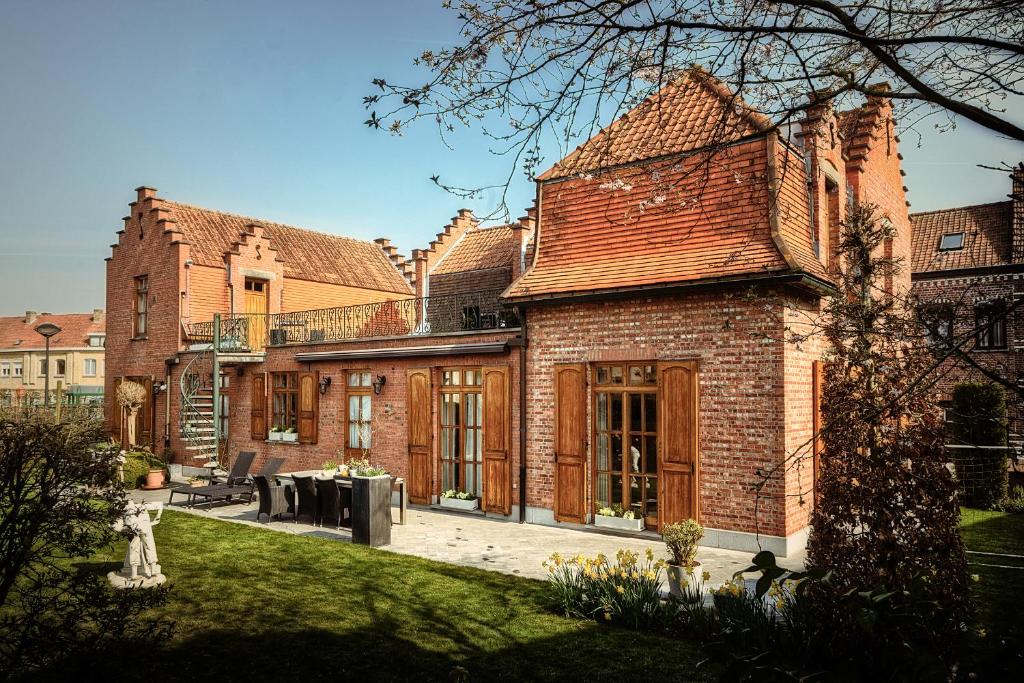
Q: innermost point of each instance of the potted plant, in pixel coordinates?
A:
(195, 482)
(290, 435)
(355, 465)
(682, 538)
(275, 433)
(615, 517)
(330, 468)
(459, 500)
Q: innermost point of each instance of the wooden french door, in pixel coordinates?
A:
(418, 382)
(461, 431)
(677, 441)
(256, 309)
(626, 462)
(570, 442)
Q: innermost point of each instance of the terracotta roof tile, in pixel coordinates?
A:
(694, 112)
(479, 249)
(987, 239)
(15, 333)
(306, 254)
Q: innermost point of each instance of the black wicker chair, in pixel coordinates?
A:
(328, 499)
(274, 500)
(305, 491)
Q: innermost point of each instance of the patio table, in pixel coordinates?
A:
(346, 482)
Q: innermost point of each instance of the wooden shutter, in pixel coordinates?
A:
(144, 418)
(309, 400)
(570, 442)
(497, 436)
(418, 382)
(118, 424)
(818, 376)
(677, 437)
(258, 407)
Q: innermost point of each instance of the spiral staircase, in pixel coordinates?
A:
(198, 397)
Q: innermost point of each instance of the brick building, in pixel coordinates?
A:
(603, 350)
(76, 357)
(968, 272)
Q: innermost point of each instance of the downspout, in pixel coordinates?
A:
(522, 416)
(168, 363)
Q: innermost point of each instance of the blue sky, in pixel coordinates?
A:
(255, 108)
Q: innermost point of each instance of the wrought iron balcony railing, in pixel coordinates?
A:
(406, 317)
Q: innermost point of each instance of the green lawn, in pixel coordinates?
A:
(999, 593)
(253, 604)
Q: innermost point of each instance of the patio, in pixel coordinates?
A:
(472, 540)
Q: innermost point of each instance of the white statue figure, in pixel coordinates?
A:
(141, 567)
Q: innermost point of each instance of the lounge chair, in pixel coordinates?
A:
(274, 500)
(238, 485)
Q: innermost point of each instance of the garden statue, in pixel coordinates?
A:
(141, 567)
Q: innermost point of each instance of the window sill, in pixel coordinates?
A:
(142, 338)
(284, 443)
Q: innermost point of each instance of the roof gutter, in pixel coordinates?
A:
(1005, 268)
(800, 280)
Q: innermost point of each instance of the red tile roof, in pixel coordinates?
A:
(480, 249)
(987, 239)
(699, 216)
(306, 254)
(693, 112)
(16, 333)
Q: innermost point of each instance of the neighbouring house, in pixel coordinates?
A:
(968, 273)
(76, 357)
(604, 349)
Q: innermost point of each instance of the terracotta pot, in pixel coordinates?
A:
(155, 479)
(679, 578)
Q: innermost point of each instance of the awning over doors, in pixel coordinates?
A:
(404, 352)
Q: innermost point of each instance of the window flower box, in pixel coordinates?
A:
(459, 504)
(275, 436)
(290, 437)
(619, 523)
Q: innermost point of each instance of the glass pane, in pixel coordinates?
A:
(446, 378)
(471, 378)
(353, 379)
(636, 374)
(635, 419)
(616, 400)
(650, 376)
(456, 409)
(616, 452)
(602, 375)
(353, 434)
(365, 413)
(470, 410)
(617, 374)
(635, 445)
(456, 377)
(650, 413)
(469, 445)
(479, 444)
(602, 452)
(353, 408)
(636, 494)
(651, 496)
(365, 379)
(651, 454)
(445, 455)
(603, 495)
(616, 492)
(470, 478)
(602, 412)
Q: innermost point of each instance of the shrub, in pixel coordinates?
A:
(627, 592)
(458, 495)
(137, 465)
(682, 539)
(1013, 502)
(978, 418)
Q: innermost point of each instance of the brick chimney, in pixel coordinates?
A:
(30, 317)
(97, 315)
(1017, 222)
(521, 232)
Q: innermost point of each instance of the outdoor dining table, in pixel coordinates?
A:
(346, 482)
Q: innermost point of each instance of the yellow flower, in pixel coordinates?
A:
(551, 570)
(650, 554)
(706, 576)
(634, 574)
(620, 590)
(649, 575)
(607, 616)
(975, 578)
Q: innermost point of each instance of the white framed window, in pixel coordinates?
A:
(16, 368)
(89, 367)
(5, 369)
(42, 367)
(97, 340)
(62, 366)
(951, 241)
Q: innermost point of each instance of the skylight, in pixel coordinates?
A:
(954, 240)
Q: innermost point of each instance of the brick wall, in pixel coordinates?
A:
(470, 281)
(743, 390)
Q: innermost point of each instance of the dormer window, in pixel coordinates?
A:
(952, 242)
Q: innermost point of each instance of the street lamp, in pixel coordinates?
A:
(47, 330)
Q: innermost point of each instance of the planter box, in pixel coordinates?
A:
(679, 579)
(290, 438)
(619, 523)
(458, 504)
(371, 510)
(275, 436)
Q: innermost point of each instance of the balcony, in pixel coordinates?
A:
(253, 332)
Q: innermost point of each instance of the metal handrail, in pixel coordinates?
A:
(469, 311)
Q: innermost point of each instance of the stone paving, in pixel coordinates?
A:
(476, 541)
